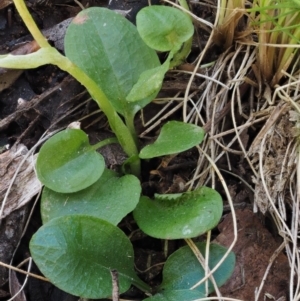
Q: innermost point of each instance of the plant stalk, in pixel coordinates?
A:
(183, 53)
(135, 165)
(105, 142)
(122, 132)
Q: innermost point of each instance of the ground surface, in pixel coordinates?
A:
(51, 100)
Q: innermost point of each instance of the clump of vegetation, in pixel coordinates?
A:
(276, 24)
(272, 26)
(83, 202)
(79, 244)
(263, 59)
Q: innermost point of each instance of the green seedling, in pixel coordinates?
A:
(79, 243)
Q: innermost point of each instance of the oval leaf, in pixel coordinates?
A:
(77, 252)
(108, 48)
(67, 163)
(179, 295)
(110, 198)
(164, 28)
(175, 137)
(182, 270)
(190, 215)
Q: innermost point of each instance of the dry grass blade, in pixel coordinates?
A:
(230, 23)
(276, 23)
(273, 152)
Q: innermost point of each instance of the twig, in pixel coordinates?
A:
(115, 285)
(23, 272)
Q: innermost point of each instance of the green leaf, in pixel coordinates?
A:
(110, 198)
(190, 215)
(164, 28)
(77, 252)
(149, 82)
(108, 48)
(175, 137)
(67, 163)
(178, 295)
(182, 270)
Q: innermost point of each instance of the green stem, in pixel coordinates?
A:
(184, 4)
(122, 132)
(135, 165)
(182, 54)
(141, 285)
(124, 135)
(105, 142)
(129, 121)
